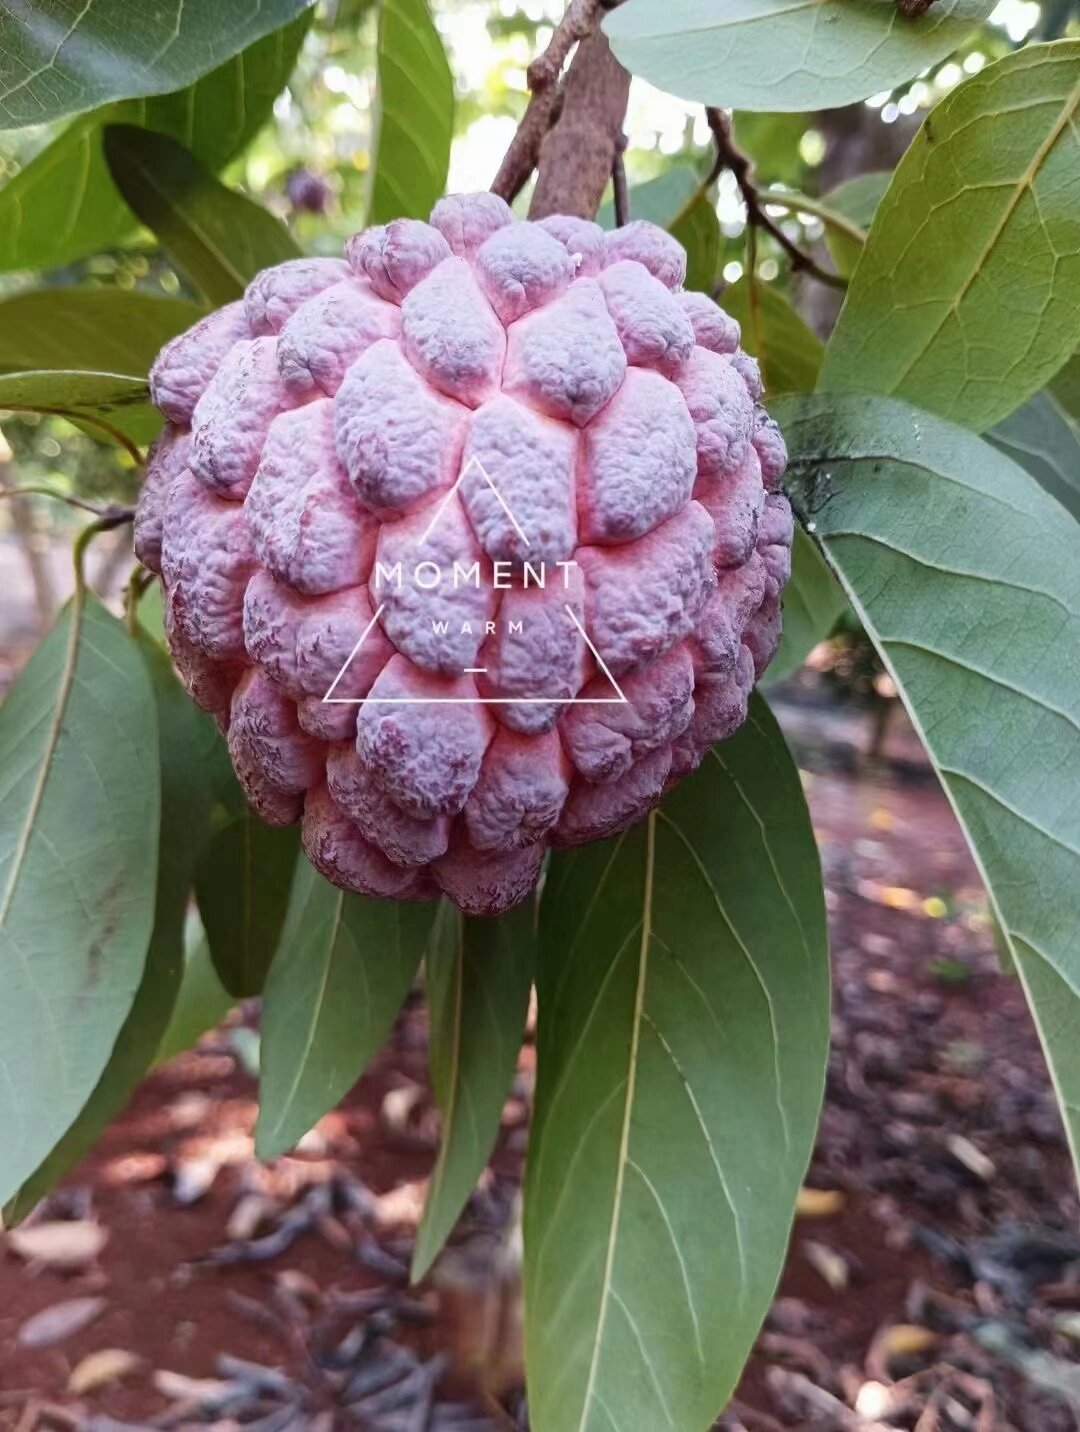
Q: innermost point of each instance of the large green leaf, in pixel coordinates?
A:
(63, 204)
(242, 885)
(342, 969)
(966, 296)
(1044, 438)
(57, 58)
(79, 808)
(784, 54)
(415, 114)
(105, 330)
(967, 577)
(683, 1030)
(99, 345)
(789, 352)
(120, 400)
(184, 737)
(219, 237)
(479, 974)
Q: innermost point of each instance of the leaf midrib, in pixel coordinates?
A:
(186, 222)
(628, 1106)
(421, 1255)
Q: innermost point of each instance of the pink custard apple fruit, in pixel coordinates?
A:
(472, 542)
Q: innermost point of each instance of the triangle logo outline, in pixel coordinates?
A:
(619, 699)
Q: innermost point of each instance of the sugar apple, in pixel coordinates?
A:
(472, 541)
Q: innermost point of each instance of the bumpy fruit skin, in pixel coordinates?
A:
(315, 428)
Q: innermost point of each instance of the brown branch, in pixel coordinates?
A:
(730, 156)
(577, 154)
(572, 123)
(543, 76)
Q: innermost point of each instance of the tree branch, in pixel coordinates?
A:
(577, 154)
(543, 76)
(730, 156)
(572, 124)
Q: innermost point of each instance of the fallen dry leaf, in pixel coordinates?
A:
(832, 1267)
(404, 1204)
(68, 1244)
(818, 1202)
(179, 1388)
(60, 1321)
(98, 1369)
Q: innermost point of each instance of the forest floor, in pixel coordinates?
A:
(933, 1280)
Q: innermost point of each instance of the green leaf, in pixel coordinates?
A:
(58, 58)
(967, 577)
(218, 237)
(201, 1004)
(789, 352)
(109, 330)
(784, 54)
(479, 974)
(698, 230)
(242, 886)
(660, 200)
(415, 114)
(1042, 437)
(683, 1030)
(63, 204)
(813, 603)
(79, 809)
(184, 736)
(118, 399)
(342, 969)
(856, 200)
(87, 352)
(965, 298)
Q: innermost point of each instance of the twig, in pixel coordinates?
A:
(74, 416)
(730, 156)
(112, 514)
(543, 77)
(620, 191)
